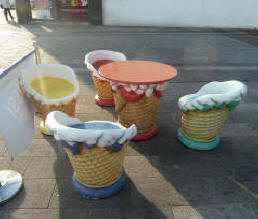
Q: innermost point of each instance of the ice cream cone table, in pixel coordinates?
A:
(137, 87)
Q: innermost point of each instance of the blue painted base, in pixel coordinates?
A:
(98, 193)
(197, 145)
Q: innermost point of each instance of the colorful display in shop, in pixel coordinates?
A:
(40, 4)
(96, 150)
(137, 87)
(94, 60)
(204, 113)
(51, 87)
(75, 3)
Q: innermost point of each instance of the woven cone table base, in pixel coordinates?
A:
(197, 145)
(141, 113)
(99, 192)
(146, 135)
(104, 96)
(104, 102)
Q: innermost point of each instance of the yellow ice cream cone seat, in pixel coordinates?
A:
(51, 87)
(204, 113)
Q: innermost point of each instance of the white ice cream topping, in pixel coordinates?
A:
(99, 55)
(212, 93)
(58, 123)
(141, 88)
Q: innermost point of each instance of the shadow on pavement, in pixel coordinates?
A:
(129, 203)
(161, 171)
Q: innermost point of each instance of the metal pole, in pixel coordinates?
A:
(37, 53)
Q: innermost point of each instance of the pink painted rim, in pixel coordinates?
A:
(146, 135)
(104, 102)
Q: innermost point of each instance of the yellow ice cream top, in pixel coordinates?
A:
(52, 87)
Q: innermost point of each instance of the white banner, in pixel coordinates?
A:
(16, 112)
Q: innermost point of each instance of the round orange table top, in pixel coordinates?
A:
(138, 72)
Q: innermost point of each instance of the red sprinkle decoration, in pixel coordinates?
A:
(158, 93)
(130, 96)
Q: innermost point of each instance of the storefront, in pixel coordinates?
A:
(82, 10)
(72, 9)
(40, 9)
(60, 9)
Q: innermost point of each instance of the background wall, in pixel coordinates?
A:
(181, 13)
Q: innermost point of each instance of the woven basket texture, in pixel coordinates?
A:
(103, 88)
(44, 109)
(203, 126)
(97, 167)
(142, 113)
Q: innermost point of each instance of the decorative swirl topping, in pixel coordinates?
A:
(70, 131)
(214, 94)
(138, 91)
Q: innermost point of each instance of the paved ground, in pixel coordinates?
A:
(164, 179)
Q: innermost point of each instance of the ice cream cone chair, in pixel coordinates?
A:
(51, 87)
(204, 113)
(96, 150)
(93, 61)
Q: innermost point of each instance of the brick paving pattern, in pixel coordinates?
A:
(164, 179)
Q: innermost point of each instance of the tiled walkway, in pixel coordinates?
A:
(164, 179)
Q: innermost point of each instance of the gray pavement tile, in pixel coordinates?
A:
(255, 208)
(31, 213)
(35, 194)
(82, 106)
(233, 148)
(240, 157)
(168, 107)
(65, 197)
(222, 190)
(214, 211)
(185, 212)
(84, 79)
(149, 212)
(130, 151)
(48, 167)
(134, 166)
(4, 163)
(96, 116)
(215, 75)
(43, 147)
(192, 164)
(20, 164)
(87, 91)
(115, 213)
(166, 173)
(89, 100)
(3, 151)
(155, 146)
(157, 190)
(238, 129)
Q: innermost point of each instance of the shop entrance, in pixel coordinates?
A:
(73, 10)
(60, 9)
(81, 10)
